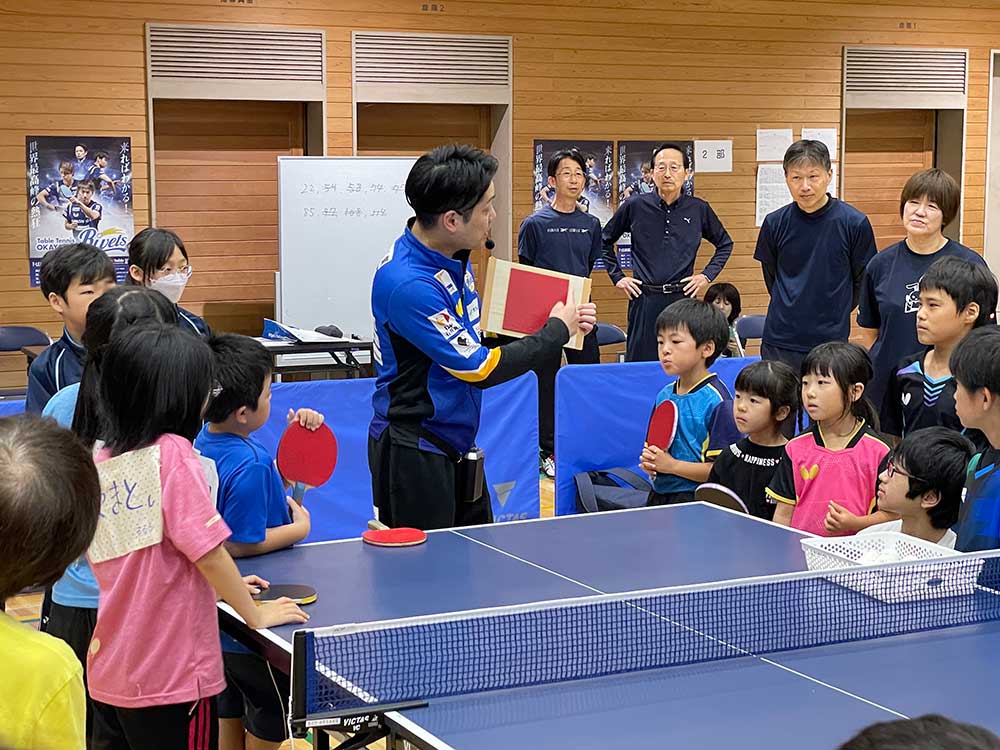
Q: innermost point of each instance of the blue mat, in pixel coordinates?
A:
(601, 416)
(342, 507)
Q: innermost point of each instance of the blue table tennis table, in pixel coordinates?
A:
(807, 698)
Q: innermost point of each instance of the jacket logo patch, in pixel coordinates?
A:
(445, 278)
(474, 310)
(465, 345)
(446, 323)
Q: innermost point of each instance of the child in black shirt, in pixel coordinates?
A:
(767, 395)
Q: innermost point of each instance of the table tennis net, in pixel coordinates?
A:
(360, 667)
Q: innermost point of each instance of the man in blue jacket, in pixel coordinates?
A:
(430, 358)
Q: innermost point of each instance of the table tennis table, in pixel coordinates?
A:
(815, 697)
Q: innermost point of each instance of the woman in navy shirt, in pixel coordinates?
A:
(890, 288)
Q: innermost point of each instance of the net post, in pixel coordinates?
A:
(301, 657)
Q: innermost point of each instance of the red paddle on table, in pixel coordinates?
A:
(662, 425)
(307, 457)
(380, 535)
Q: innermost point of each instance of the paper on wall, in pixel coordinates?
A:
(772, 192)
(827, 135)
(773, 143)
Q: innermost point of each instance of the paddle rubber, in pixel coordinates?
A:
(401, 537)
(717, 494)
(662, 425)
(298, 593)
(307, 457)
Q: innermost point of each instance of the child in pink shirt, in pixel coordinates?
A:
(157, 554)
(825, 483)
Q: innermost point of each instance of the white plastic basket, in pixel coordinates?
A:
(894, 585)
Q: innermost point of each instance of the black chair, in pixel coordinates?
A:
(750, 327)
(609, 334)
(12, 339)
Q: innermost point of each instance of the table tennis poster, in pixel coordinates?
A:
(599, 159)
(57, 168)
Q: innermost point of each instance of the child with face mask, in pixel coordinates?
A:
(157, 259)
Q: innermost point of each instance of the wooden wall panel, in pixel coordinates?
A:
(217, 187)
(582, 69)
(883, 148)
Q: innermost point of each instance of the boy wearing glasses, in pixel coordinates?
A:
(561, 237)
(667, 228)
(922, 483)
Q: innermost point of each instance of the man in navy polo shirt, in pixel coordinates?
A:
(667, 228)
(561, 237)
(813, 253)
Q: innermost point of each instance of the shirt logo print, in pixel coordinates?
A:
(811, 473)
(912, 302)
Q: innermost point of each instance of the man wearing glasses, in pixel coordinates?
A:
(667, 228)
(561, 237)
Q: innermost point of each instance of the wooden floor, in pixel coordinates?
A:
(26, 607)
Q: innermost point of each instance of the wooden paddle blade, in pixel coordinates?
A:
(662, 425)
(401, 537)
(717, 494)
(307, 456)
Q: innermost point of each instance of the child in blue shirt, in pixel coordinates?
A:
(253, 504)
(975, 363)
(690, 336)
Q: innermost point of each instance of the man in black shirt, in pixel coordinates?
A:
(667, 228)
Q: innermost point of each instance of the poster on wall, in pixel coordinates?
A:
(599, 157)
(79, 190)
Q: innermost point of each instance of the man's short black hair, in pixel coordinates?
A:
(50, 499)
(930, 732)
(936, 458)
(676, 147)
(100, 155)
(965, 282)
(806, 152)
(78, 262)
(566, 153)
(449, 178)
(975, 363)
(705, 322)
(241, 366)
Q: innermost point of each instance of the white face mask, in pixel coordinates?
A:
(170, 286)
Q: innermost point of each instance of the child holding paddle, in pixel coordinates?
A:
(253, 504)
(158, 552)
(825, 483)
(690, 336)
(767, 396)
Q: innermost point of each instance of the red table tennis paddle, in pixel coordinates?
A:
(307, 457)
(717, 494)
(401, 537)
(298, 593)
(662, 425)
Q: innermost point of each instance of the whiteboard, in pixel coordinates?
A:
(337, 218)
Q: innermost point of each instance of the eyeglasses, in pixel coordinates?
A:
(674, 168)
(891, 469)
(185, 272)
(566, 174)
